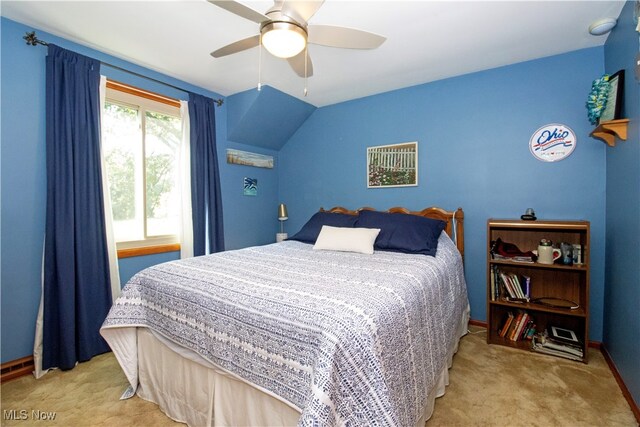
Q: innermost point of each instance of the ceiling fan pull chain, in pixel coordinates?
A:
(260, 63)
(306, 61)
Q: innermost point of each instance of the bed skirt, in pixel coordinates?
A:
(189, 389)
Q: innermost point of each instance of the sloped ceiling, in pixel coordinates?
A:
(265, 118)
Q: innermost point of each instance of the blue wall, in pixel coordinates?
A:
(248, 220)
(473, 133)
(622, 299)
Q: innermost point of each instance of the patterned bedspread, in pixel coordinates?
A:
(348, 339)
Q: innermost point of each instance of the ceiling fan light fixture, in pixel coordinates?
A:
(283, 39)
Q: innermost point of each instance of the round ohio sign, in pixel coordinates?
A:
(552, 142)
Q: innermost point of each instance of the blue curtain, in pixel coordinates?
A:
(206, 201)
(77, 294)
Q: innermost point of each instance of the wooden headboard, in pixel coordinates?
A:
(433, 212)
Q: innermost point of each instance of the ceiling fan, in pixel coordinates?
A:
(284, 32)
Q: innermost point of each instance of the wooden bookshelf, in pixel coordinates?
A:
(568, 282)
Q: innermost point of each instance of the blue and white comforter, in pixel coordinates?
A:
(346, 338)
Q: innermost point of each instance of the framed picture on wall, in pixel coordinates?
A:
(613, 107)
(246, 158)
(250, 186)
(393, 165)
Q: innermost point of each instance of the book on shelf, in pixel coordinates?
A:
(511, 286)
(543, 343)
(516, 334)
(526, 286)
(524, 331)
(506, 324)
(517, 326)
(531, 331)
(493, 283)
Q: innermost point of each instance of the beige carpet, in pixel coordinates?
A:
(489, 386)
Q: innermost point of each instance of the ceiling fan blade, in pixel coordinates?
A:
(241, 10)
(300, 10)
(236, 47)
(297, 63)
(349, 38)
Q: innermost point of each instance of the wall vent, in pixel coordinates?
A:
(17, 368)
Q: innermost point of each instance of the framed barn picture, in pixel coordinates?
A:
(392, 165)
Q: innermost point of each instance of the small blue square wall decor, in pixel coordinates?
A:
(250, 186)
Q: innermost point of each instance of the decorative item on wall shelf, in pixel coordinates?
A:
(597, 98)
(393, 165)
(607, 113)
(614, 99)
(605, 99)
(250, 186)
(246, 158)
(552, 142)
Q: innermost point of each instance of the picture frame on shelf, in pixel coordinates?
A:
(563, 334)
(613, 107)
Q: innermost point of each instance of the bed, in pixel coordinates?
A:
(283, 334)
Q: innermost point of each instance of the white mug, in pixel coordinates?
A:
(547, 254)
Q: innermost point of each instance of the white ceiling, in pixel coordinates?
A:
(426, 40)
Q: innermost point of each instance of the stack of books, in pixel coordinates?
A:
(511, 286)
(560, 342)
(518, 327)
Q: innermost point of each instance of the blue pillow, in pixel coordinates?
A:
(310, 231)
(406, 233)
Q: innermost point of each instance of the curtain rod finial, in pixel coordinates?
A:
(219, 102)
(33, 40)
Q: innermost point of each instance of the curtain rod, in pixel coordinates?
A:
(33, 40)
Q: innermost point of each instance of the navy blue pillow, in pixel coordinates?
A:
(309, 232)
(406, 233)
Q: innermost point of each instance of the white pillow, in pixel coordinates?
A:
(347, 239)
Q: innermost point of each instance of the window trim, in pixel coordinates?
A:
(127, 96)
(148, 250)
(132, 90)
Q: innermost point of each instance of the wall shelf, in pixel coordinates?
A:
(609, 130)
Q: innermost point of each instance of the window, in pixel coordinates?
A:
(141, 137)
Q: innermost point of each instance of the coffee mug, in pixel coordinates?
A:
(547, 254)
